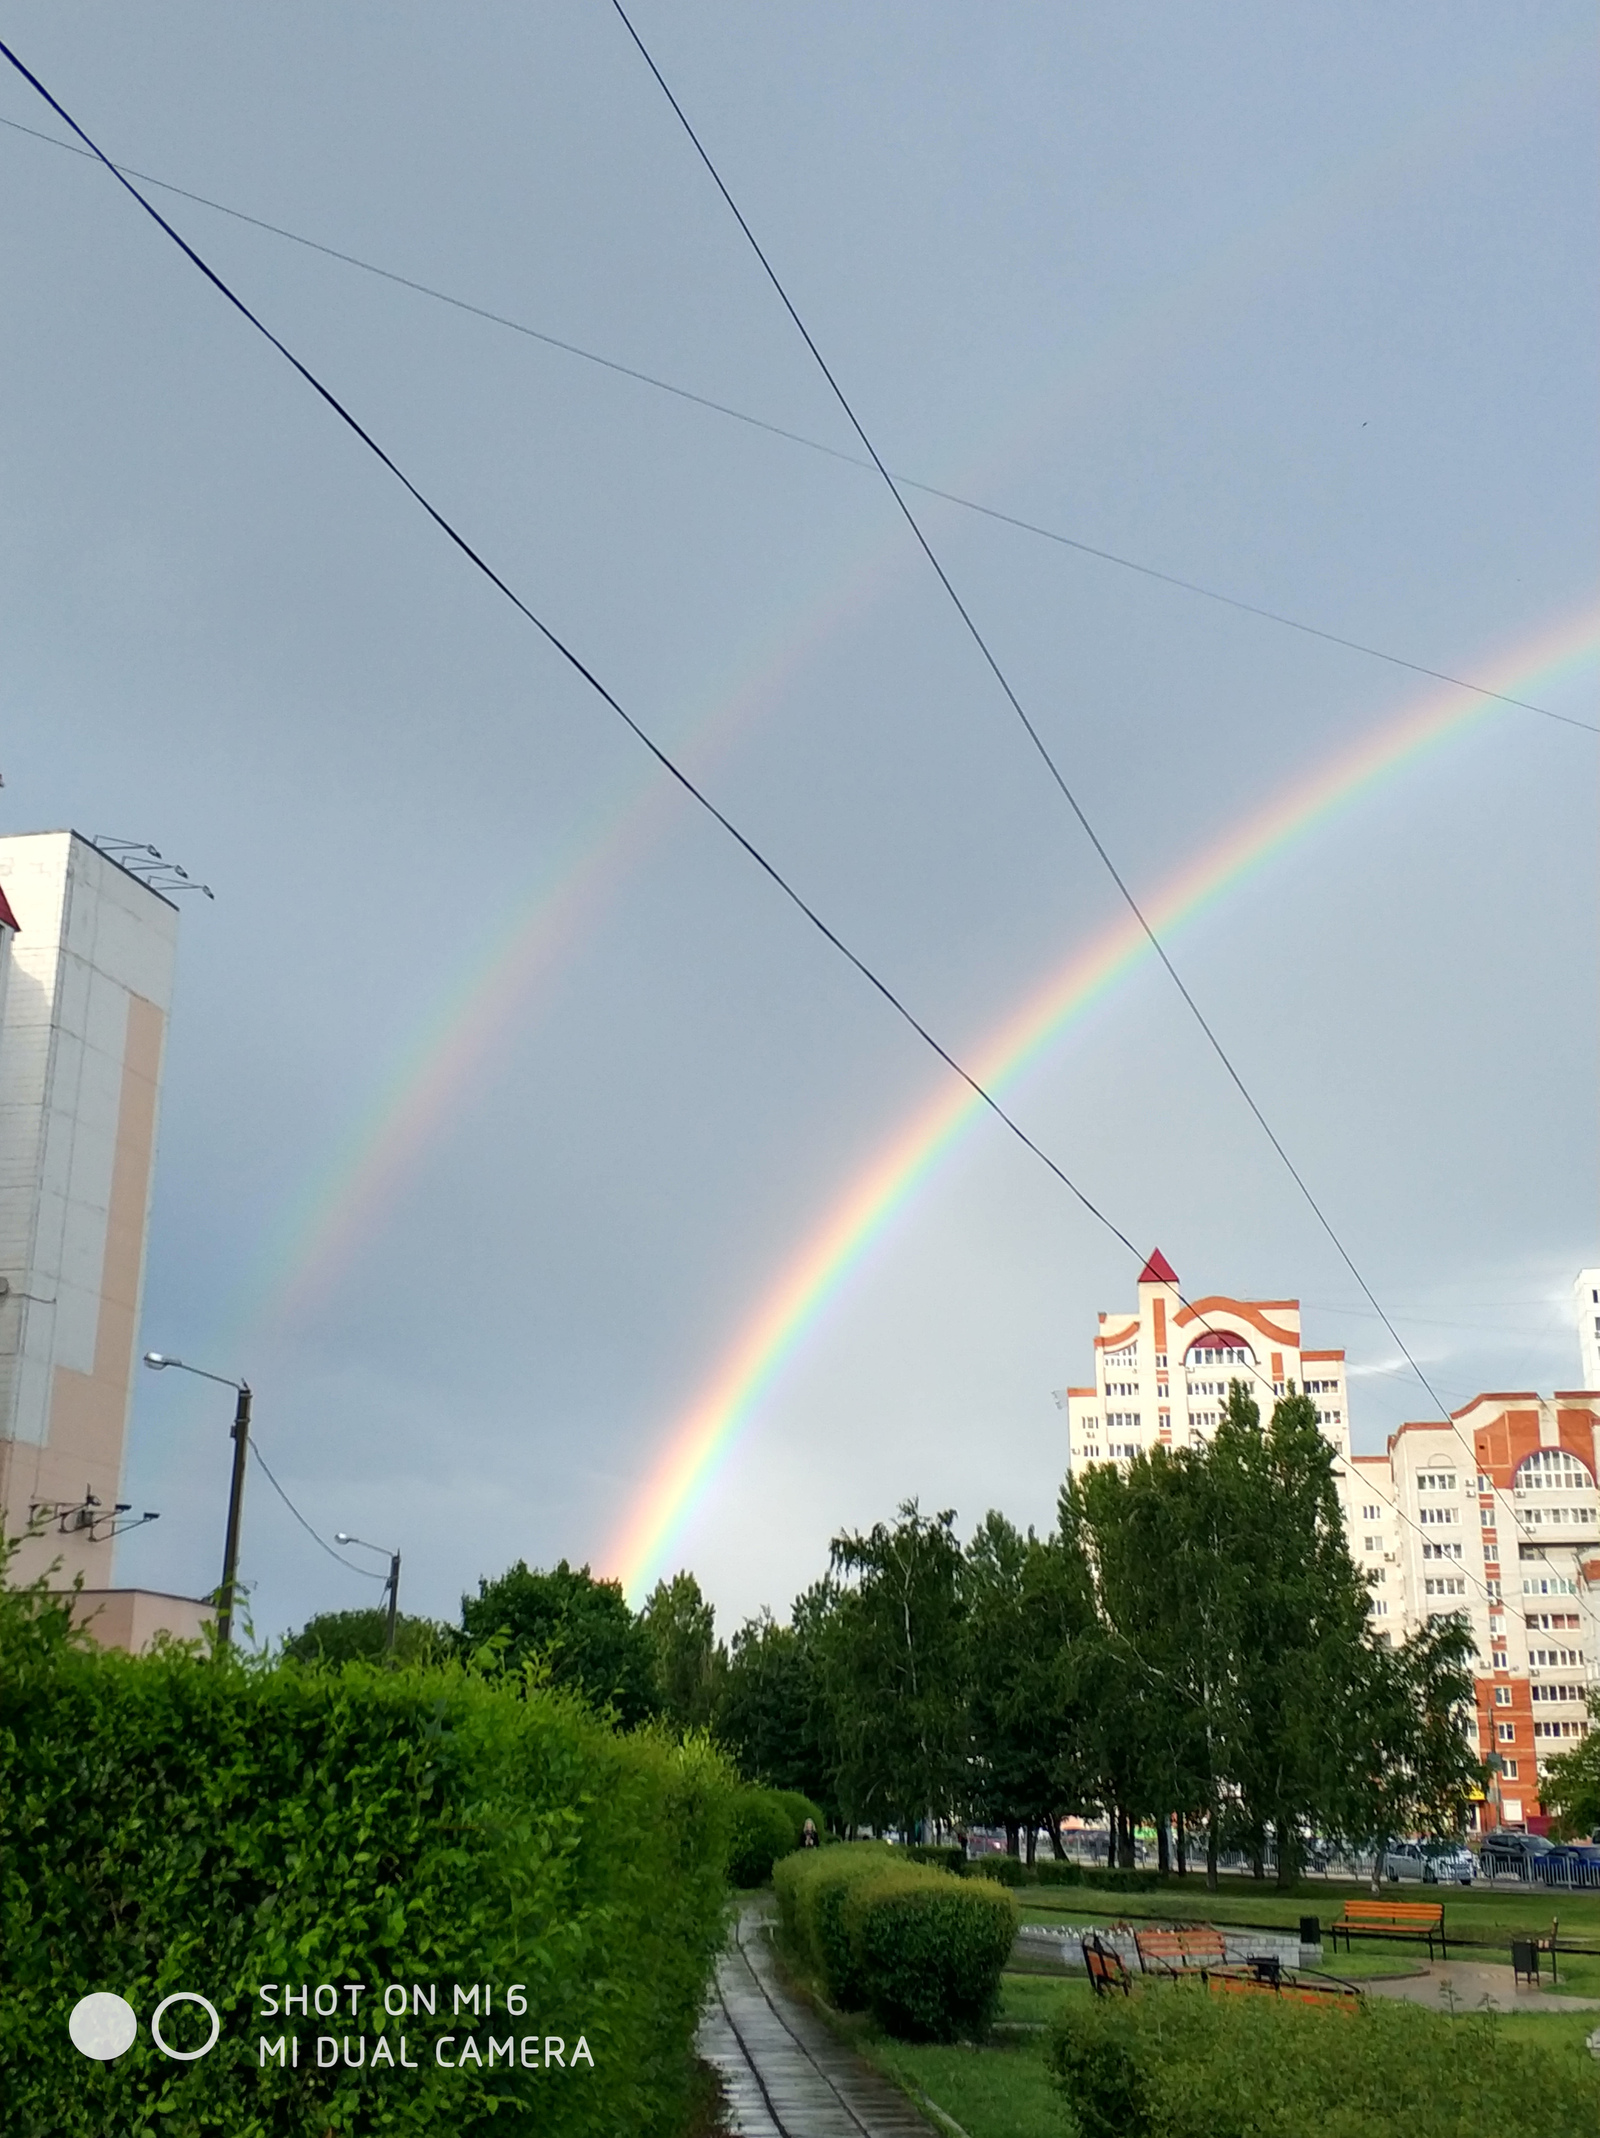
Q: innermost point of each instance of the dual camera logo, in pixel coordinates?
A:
(103, 2025)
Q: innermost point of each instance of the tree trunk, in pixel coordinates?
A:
(1033, 1841)
(1258, 1852)
(1288, 1858)
(1380, 1848)
(1163, 1846)
(1113, 1817)
(1125, 1840)
(1211, 1851)
(1013, 1837)
(1183, 1848)
(1056, 1849)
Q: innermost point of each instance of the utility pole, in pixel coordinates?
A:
(230, 1548)
(394, 1602)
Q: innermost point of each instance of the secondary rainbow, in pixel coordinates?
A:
(700, 1442)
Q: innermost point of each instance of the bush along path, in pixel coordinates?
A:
(785, 2075)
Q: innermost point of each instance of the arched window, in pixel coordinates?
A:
(1552, 1470)
(1219, 1348)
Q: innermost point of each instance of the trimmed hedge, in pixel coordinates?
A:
(944, 1856)
(918, 1948)
(767, 1824)
(1004, 1870)
(1184, 2065)
(173, 1824)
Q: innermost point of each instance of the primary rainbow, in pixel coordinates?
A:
(700, 1442)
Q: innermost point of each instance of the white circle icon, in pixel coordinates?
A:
(185, 2056)
(102, 2025)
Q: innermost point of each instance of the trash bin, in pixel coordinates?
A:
(1310, 1930)
(1525, 1959)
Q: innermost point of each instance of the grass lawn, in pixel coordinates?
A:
(1004, 2089)
(1470, 1911)
(991, 2093)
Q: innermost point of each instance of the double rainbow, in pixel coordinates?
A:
(702, 1439)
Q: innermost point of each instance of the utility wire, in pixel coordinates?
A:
(668, 764)
(768, 868)
(1033, 734)
(817, 445)
(306, 1526)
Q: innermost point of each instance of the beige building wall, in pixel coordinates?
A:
(81, 1039)
(1162, 1372)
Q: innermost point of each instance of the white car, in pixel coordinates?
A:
(1431, 1862)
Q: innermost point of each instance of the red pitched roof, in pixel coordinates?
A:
(7, 918)
(1158, 1270)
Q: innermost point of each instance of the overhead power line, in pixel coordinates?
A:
(818, 445)
(579, 667)
(1040, 746)
(774, 875)
(667, 763)
(306, 1526)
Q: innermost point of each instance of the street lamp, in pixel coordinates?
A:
(392, 1585)
(241, 1443)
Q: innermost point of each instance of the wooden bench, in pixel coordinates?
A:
(1194, 1948)
(1422, 1920)
(1105, 1969)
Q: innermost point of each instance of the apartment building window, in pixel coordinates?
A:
(1441, 1551)
(1444, 1587)
(1561, 1695)
(1508, 1767)
(1486, 1517)
(1436, 1481)
(1373, 1544)
(1438, 1517)
(1502, 1696)
(1506, 1732)
(1372, 1514)
(1561, 1729)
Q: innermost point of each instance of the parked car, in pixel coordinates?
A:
(1432, 1862)
(1569, 1863)
(1512, 1854)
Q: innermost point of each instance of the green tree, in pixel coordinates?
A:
(893, 1671)
(1152, 1535)
(579, 1629)
(771, 1710)
(362, 1637)
(1407, 1761)
(1028, 1624)
(1295, 1610)
(690, 1662)
(1570, 1784)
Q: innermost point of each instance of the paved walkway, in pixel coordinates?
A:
(1472, 1984)
(786, 2076)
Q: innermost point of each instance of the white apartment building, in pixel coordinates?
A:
(1586, 1295)
(1162, 1372)
(86, 969)
(1493, 1514)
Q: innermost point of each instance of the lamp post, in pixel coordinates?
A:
(392, 1585)
(159, 1361)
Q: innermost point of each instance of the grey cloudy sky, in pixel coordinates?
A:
(1292, 301)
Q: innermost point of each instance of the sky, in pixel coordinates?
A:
(502, 1091)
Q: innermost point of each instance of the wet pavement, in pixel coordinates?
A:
(785, 2074)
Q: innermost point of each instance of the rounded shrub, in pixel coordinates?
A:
(764, 1828)
(920, 1949)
